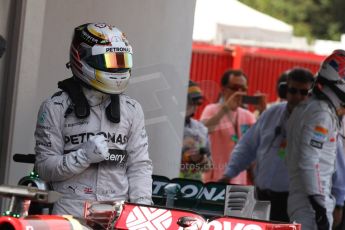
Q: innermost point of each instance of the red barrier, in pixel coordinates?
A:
(263, 66)
(207, 66)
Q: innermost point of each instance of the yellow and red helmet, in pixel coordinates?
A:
(101, 57)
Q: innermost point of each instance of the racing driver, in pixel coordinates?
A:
(91, 142)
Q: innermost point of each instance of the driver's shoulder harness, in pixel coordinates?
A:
(81, 107)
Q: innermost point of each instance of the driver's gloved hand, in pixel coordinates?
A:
(318, 204)
(95, 149)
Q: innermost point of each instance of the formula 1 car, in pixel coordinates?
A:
(179, 204)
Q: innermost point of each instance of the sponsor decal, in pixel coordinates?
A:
(100, 25)
(149, 218)
(117, 157)
(88, 190)
(332, 139)
(77, 124)
(78, 189)
(64, 161)
(106, 192)
(45, 144)
(227, 225)
(88, 38)
(80, 138)
(114, 39)
(43, 127)
(191, 190)
(42, 135)
(161, 219)
(73, 188)
(316, 144)
(58, 103)
(319, 134)
(320, 129)
(118, 49)
(42, 117)
(132, 104)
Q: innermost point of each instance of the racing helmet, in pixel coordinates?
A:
(330, 79)
(101, 57)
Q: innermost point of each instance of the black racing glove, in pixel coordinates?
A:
(320, 213)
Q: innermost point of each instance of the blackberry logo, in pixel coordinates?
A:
(117, 157)
(149, 218)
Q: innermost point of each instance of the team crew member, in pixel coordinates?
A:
(311, 146)
(91, 142)
(265, 143)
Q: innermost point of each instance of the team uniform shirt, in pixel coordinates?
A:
(341, 177)
(338, 188)
(125, 175)
(264, 142)
(195, 141)
(311, 153)
(342, 133)
(223, 139)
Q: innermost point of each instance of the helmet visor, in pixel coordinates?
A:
(109, 62)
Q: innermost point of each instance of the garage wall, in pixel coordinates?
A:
(5, 9)
(160, 32)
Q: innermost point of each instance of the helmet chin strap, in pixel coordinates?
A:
(81, 106)
(334, 100)
(73, 89)
(113, 110)
(333, 86)
(332, 96)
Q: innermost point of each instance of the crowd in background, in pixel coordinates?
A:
(291, 150)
